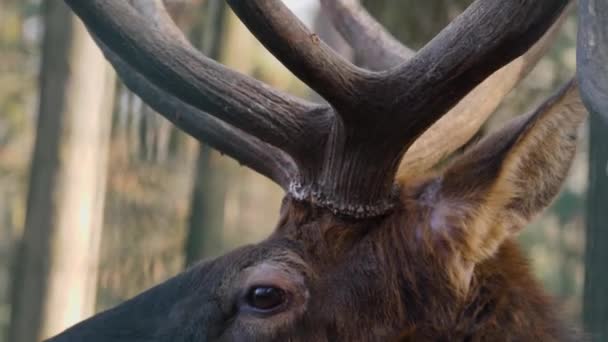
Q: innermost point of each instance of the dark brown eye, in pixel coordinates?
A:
(265, 298)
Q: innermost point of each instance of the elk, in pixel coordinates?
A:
(381, 236)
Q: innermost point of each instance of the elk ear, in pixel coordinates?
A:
(494, 189)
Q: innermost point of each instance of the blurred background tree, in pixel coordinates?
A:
(170, 201)
(55, 271)
(414, 22)
(596, 278)
(206, 217)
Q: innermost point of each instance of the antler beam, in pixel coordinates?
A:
(300, 50)
(180, 70)
(248, 150)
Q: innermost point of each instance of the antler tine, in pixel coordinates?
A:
(178, 69)
(472, 112)
(300, 50)
(374, 47)
(485, 37)
(247, 150)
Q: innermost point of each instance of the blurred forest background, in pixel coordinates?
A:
(147, 200)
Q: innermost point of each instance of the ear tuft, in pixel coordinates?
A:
(520, 169)
(495, 188)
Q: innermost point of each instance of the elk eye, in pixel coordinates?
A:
(266, 298)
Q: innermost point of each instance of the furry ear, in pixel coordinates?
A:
(495, 188)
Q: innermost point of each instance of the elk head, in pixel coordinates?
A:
(373, 243)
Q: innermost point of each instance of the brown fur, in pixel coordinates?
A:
(441, 266)
(399, 287)
(445, 260)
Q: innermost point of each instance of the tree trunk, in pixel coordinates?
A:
(595, 306)
(207, 208)
(206, 220)
(55, 272)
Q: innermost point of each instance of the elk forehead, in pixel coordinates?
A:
(332, 270)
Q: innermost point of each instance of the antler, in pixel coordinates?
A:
(248, 150)
(342, 157)
(473, 110)
(178, 69)
(300, 50)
